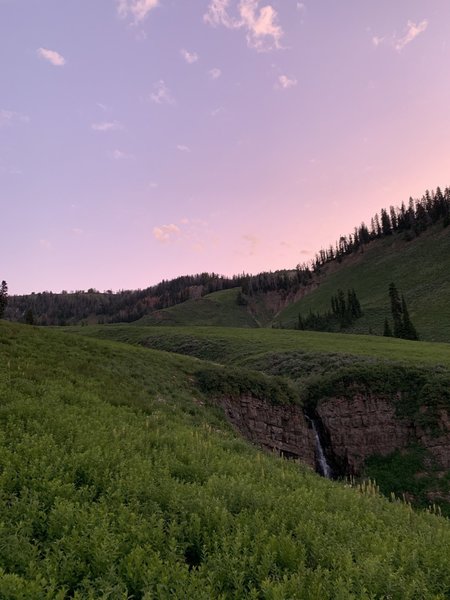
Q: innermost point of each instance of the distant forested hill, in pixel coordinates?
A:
(408, 245)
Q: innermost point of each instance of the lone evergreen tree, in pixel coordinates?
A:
(403, 327)
(409, 331)
(387, 332)
(396, 310)
(3, 297)
(29, 317)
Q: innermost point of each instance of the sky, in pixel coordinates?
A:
(141, 140)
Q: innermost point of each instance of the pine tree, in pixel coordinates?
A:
(409, 331)
(3, 298)
(29, 318)
(396, 310)
(387, 332)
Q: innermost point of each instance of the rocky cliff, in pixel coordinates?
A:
(352, 429)
(282, 428)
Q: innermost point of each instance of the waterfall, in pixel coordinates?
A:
(324, 467)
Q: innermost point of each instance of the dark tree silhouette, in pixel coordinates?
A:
(3, 298)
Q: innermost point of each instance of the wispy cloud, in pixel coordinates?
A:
(376, 40)
(136, 9)
(183, 148)
(413, 30)
(399, 42)
(215, 73)
(9, 117)
(161, 93)
(260, 23)
(252, 241)
(103, 107)
(53, 57)
(46, 244)
(189, 57)
(107, 126)
(119, 155)
(217, 111)
(166, 233)
(286, 82)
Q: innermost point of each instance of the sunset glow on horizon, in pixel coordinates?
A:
(141, 140)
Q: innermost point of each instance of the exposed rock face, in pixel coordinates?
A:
(438, 444)
(353, 430)
(366, 425)
(276, 427)
(362, 426)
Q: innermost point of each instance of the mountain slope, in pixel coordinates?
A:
(420, 269)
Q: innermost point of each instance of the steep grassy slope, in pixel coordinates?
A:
(217, 309)
(420, 269)
(117, 482)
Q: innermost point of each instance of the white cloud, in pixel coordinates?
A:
(215, 73)
(77, 231)
(217, 111)
(136, 9)
(162, 94)
(52, 56)
(399, 42)
(260, 23)
(183, 148)
(413, 30)
(107, 126)
(286, 82)
(189, 57)
(103, 107)
(153, 185)
(8, 117)
(301, 6)
(376, 41)
(165, 233)
(119, 155)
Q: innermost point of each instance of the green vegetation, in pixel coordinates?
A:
(242, 347)
(411, 473)
(117, 480)
(419, 268)
(220, 309)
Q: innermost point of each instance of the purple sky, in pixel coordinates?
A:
(145, 139)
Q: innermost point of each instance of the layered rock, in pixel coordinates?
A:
(282, 428)
(361, 426)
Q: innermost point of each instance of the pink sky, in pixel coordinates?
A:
(146, 139)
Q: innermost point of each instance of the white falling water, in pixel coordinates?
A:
(323, 464)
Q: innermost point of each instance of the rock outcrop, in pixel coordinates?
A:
(353, 429)
(282, 428)
(362, 426)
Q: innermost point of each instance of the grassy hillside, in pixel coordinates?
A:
(118, 481)
(419, 268)
(217, 309)
(244, 346)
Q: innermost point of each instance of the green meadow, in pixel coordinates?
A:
(120, 480)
